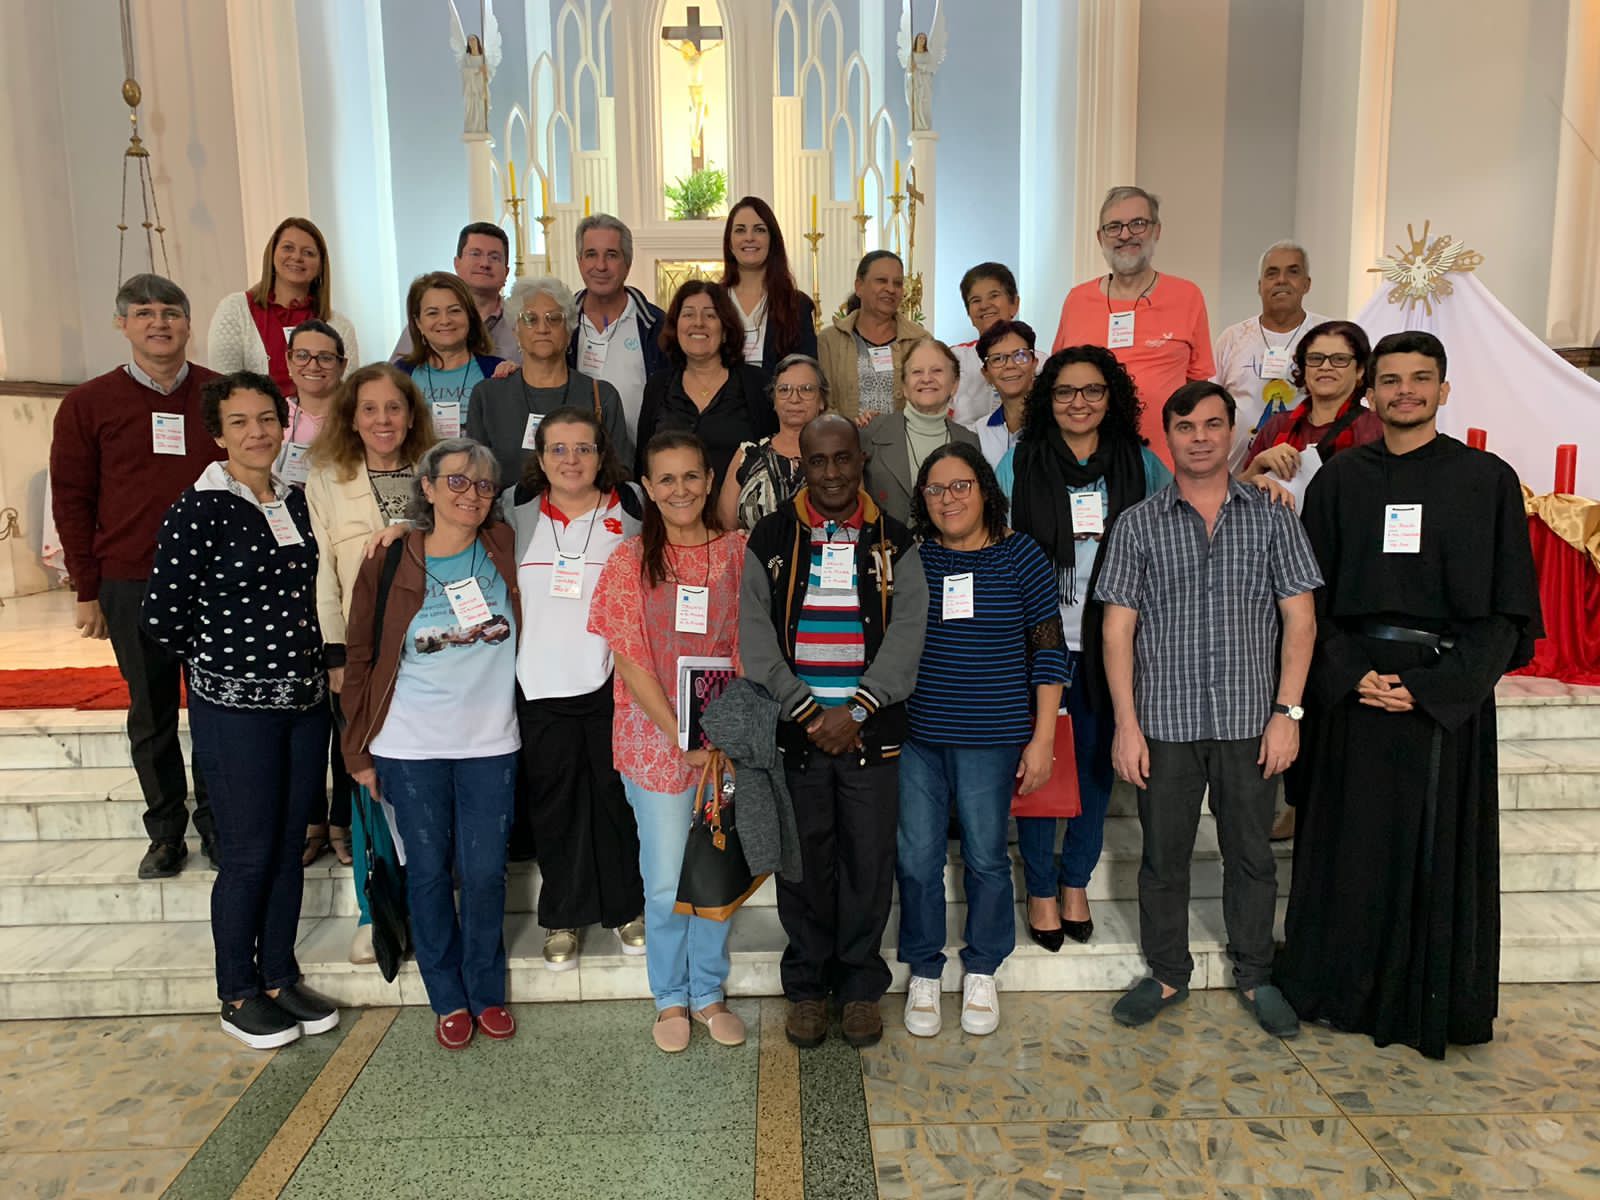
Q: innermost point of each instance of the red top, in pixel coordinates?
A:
(274, 323)
(1295, 428)
(109, 489)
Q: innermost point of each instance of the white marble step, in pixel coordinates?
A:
(144, 968)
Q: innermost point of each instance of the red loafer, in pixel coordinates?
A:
(497, 1023)
(454, 1031)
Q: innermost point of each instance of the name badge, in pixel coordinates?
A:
(1088, 512)
(694, 606)
(282, 524)
(166, 433)
(447, 418)
(838, 567)
(1119, 331)
(1275, 363)
(529, 433)
(1402, 528)
(752, 345)
(295, 467)
(566, 576)
(958, 597)
(593, 358)
(467, 602)
(881, 358)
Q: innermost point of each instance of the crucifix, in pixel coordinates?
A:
(694, 41)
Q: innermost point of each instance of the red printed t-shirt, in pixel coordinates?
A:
(639, 622)
(1171, 341)
(1299, 432)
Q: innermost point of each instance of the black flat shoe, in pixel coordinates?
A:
(1078, 931)
(1050, 939)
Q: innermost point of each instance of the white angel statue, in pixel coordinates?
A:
(478, 60)
(921, 55)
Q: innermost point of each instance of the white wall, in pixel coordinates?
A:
(1326, 143)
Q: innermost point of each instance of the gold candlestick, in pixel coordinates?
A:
(545, 221)
(861, 219)
(915, 197)
(815, 236)
(897, 199)
(515, 203)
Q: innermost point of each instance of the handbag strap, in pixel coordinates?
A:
(391, 564)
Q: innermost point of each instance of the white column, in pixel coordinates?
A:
(1370, 189)
(1574, 307)
(925, 158)
(1107, 117)
(1046, 193)
(480, 176)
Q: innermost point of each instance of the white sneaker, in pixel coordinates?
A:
(980, 1004)
(922, 1008)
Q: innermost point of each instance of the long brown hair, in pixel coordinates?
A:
(321, 286)
(653, 536)
(783, 297)
(339, 446)
(731, 351)
(477, 333)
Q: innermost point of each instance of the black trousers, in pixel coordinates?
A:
(152, 673)
(1169, 811)
(587, 839)
(847, 815)
(335, 809)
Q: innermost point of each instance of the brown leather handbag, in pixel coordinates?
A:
(715, 878)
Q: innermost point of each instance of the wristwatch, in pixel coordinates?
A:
(1293, 711)
(858, 714)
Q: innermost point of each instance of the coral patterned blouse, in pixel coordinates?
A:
(639, 622)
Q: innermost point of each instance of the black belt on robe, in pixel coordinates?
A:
(1437, 642)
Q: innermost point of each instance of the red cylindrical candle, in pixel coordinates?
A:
(1478, 439)
(1567, 468)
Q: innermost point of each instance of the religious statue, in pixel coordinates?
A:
(694, 41)
(478, 58)
(921, 56)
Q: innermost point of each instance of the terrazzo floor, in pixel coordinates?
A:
(1060, 1102)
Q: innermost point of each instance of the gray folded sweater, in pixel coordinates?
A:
(743, 724)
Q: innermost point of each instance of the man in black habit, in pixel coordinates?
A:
(1394, 913)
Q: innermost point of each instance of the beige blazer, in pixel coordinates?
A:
(836, 351)
(344, 516)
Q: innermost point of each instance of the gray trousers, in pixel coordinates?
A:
(1169, 811)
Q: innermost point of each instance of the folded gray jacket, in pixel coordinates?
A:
(743, 724)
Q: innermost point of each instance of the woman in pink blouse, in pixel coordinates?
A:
(672, 592)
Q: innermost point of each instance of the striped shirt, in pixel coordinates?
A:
(830, 645)
(976, 680)
(1205, 647)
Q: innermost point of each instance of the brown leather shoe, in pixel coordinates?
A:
(807, 1023)
(862, 1022)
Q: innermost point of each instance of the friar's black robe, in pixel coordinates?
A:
(1394, 910)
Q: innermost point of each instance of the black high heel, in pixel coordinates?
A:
(1078, 931)
(1050, 939)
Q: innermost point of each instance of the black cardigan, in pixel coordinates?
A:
(740, 412)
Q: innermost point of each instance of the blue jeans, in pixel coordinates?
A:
(686, 957)
(1043, 872)
(455, 813)
(979, 781)
(264, 771)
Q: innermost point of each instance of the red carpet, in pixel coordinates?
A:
(65, 687)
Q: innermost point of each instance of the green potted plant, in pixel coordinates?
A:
(698, 196)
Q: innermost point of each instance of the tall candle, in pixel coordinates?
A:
(1567, 468)
(511, 172)
(544, 196)
(897, 177)
(861, 193)
(586, 204)
(1478, 439)
(813, 212)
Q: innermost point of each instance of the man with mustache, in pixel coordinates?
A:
(1155, 324)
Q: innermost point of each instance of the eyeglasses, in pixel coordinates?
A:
(552, 320)
(1136, 226)
(323, 358)
(577, 449)
(958, 487)
(492, 257)
(995, 361)
(807, 390)
(1092, 393)
(1315, 359)
(460, 483)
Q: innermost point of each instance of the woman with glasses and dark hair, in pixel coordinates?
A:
(863, 353)
(316, 365)
(431, 725)
(709, 390)
(572, 509)
(983, 718)
(1080, 465)
(1005, 353)
(764, 474)
(450, 348)
(779, 319)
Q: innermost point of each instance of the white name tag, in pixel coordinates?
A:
(296, 467)
(446, 418)
(1275, 363)
(752, 345)
(1088, 512)
(958, 597)
(166, 433)
(694, 607)
(282, 524)
(838, 567)
(467, 602)
(593, 359)
(1119, 331)
(1402, 528)
(881, 358)
(531, 432)
(566, 576)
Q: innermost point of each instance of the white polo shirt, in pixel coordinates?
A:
(616, 355)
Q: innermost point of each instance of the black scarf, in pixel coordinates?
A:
(1043, 472)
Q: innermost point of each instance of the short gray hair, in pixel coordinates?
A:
(607, 221)
(1284, 244)
(800, 360)
(546, 285)
(150, 289)
(419, 512)
(1128, 192)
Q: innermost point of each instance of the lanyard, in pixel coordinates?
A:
(1141, 296)
(594, 513)
(705, 545)
(1261, 329)
(473, 572)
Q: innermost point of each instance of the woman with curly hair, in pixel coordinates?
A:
(1081, 463)
(983, 717)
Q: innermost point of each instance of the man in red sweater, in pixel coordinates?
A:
(125, 446)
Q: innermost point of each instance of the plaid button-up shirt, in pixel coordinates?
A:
(1206, 643)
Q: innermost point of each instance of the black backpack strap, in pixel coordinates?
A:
(1325, 446)
(391, 564)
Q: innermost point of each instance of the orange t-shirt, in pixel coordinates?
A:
(1171, 341)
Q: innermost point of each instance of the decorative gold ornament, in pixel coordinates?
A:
(1419, 274)
(673, 274)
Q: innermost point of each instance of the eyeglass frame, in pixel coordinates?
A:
(956, 487)
(1021, 357)
(477, 485)
(493, 257)
(1066, 392)
(798, 389)
(529, 319)
(1114, 229)
(580, 449)
(324, 358)
(1328, 359)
